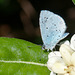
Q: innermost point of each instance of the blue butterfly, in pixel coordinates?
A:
(52, 28)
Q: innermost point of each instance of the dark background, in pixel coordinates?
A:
(20, 18)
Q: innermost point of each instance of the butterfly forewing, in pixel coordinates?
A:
(52, 28)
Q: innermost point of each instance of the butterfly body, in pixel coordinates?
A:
(52, 28)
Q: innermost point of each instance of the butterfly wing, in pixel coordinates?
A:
(52, 28)
(64, 35)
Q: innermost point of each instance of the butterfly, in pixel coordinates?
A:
(52, 28)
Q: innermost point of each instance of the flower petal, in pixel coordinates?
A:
(59, 74)
(72, 73)
(67, 74)
(66, 53)
(59, 68)
(55, 53)
(73, 42)
(53, 60)
(73, 59)
(67, 42)
(67, 47)
(52, 73)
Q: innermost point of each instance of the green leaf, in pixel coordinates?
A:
(19, 57)
(73, 1)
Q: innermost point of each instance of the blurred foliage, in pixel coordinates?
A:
(73, 1)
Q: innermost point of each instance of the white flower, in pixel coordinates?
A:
(71, 43)
(66, 64)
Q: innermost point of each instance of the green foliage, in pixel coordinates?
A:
(73, 1)
(12, 49)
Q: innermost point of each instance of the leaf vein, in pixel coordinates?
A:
(34, 63)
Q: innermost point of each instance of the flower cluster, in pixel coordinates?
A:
(62, 62)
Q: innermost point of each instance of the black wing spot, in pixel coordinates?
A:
(45, 19)
(46, 27)
(54, 24)
(47, 36)
(60, 31)
(56, 30)
(57, 39)
(42, 21)
(59, 36)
